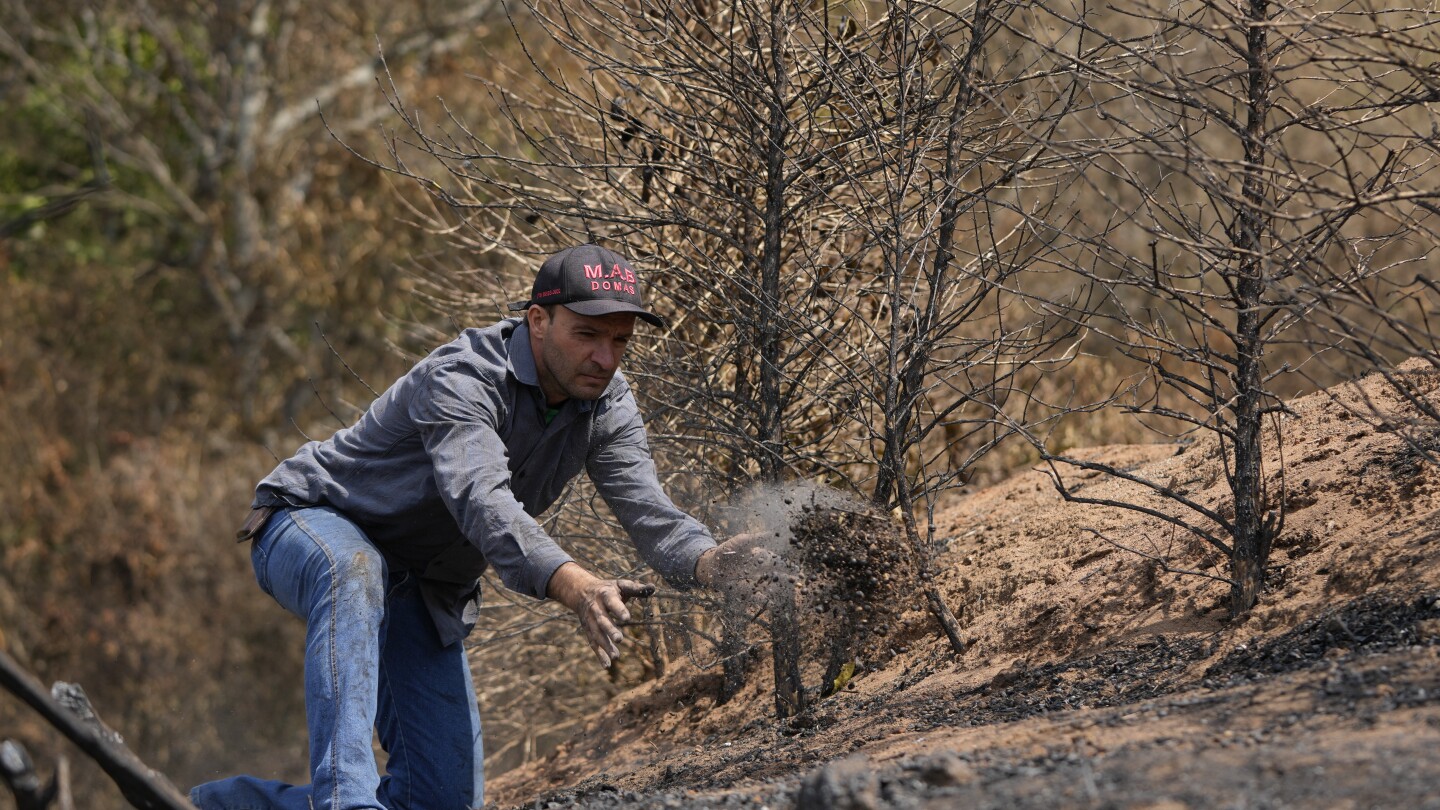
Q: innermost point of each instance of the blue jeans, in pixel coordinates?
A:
(373, 661)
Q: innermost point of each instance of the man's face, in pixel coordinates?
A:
(576, 355)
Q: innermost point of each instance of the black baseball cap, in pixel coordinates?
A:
(589, 280)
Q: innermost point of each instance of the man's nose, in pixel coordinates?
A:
(605, 356)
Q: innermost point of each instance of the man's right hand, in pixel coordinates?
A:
(740, 567)
(599, 604)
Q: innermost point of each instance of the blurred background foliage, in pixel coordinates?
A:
(183, 242)
(200, 268)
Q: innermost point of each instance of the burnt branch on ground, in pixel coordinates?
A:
(67, 709)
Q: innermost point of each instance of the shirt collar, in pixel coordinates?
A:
(522, 365)
(522, 360)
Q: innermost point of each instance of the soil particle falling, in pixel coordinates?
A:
(855, 578)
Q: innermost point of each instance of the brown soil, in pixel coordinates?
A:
(1094, 676)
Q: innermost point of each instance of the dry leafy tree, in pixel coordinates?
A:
(1246, 161)
(200, 123)
(172, 222)
(831, 200)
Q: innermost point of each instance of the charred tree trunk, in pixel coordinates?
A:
(789, 691)
(734, 651)
(1251, 546)
(772, 410)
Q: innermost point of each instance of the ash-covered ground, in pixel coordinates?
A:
(1092, 677)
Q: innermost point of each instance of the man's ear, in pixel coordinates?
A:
(538, 319)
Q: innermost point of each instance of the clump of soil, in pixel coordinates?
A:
(844, 576)
(857, 577)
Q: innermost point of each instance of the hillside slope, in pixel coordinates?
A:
(1094, 677)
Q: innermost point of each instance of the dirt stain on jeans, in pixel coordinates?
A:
(363, 572)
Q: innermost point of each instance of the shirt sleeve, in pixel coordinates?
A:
(669, 540)
(458, 415)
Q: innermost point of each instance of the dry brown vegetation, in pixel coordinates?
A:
(1095, 676)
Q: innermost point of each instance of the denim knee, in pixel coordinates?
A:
(360, 579)
(317, 559)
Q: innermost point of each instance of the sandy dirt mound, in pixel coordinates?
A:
(1096, 676)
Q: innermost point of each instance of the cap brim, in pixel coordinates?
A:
(519, 306)
(605, 306)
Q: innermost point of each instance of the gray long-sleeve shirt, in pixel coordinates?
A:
(447, 469)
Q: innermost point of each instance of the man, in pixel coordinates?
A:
(377, 536)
